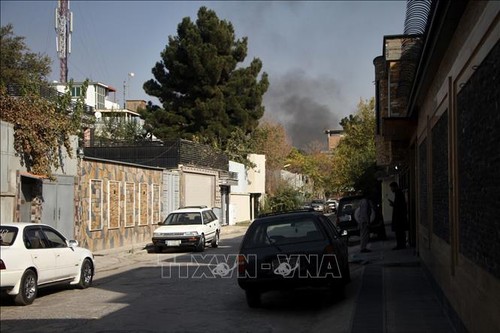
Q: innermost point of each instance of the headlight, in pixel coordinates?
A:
(191, 233)
(158, 234)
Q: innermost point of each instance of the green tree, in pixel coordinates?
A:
(354, 161)
(20, 68)
(43, 122)
(203, 90)
(116, 128)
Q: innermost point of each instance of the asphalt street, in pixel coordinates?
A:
(178, 292)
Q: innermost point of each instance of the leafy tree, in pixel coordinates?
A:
(354, 159)
(117, 128)
(42, 127)
(20, 68)
(203, 91)
(285, 198)
(43, 122)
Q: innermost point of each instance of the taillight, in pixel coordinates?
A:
(2, 264)
(242, 264)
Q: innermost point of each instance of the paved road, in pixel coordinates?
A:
(138, 295)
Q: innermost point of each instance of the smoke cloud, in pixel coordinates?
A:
(305, 106)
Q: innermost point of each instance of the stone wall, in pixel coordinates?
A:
(120, 204)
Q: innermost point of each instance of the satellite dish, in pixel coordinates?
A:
(98, 115)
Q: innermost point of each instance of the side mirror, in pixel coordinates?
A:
(72, 243)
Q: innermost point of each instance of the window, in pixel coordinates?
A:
(7, 235)
(207, 218)
(76, 91)
(54, 239)
(34, 239)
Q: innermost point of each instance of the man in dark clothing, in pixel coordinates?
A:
(399, 218)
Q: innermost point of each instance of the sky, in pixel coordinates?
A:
(318, 54)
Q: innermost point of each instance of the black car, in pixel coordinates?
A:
(292, 250)
(347, 221)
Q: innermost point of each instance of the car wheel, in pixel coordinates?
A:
(201, 245)
(86, 274)
(28, 288)
(215, 241)
(253, 298)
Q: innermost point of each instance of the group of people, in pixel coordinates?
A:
(399, 218)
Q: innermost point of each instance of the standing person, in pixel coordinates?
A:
(399, 218)
(363, 217)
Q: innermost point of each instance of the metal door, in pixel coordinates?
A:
(58, 206)
(170, 197)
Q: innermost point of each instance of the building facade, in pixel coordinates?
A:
(438, 97)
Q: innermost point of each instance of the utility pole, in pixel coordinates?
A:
(64, 28)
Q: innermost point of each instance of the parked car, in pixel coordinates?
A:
(188, 227)
(291, 250)
(345, 214)
(332, 204)
(346, 219)
(36, 255)
(319, 205)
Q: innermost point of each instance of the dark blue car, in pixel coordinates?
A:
(292, 250)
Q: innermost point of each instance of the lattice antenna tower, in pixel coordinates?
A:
(64, 28)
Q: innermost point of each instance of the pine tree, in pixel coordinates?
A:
(203, 91)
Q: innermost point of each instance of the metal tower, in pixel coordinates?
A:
(64, 28)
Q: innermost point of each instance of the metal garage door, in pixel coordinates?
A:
(199, 189)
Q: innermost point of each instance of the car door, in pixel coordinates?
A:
(209, 223)
(66, 260)
(43, 257)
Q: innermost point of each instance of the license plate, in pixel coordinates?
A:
(173, 242)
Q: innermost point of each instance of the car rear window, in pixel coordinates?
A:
(7, 235)
(348, 206)
(282, 232)
(183, 218)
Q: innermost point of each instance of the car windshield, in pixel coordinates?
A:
(7, 235)
(283, 232)
(318, 202)
(183, 218)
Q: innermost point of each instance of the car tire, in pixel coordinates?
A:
(201, 245)
(86, 274)
(28, 289)
(253, 298)
(215, 241)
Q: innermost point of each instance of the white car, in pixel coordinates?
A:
(188, 227)
(36, 255)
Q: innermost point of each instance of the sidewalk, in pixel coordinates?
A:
(395, 294)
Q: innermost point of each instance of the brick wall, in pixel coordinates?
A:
(440, 190)
(479, 165)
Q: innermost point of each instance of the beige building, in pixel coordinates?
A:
(438, 97)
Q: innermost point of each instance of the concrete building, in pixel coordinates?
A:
(437, 106)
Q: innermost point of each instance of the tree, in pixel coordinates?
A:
(117, 128)
(203, 91)
(43, 123)
(18, 66)
(354, 159)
